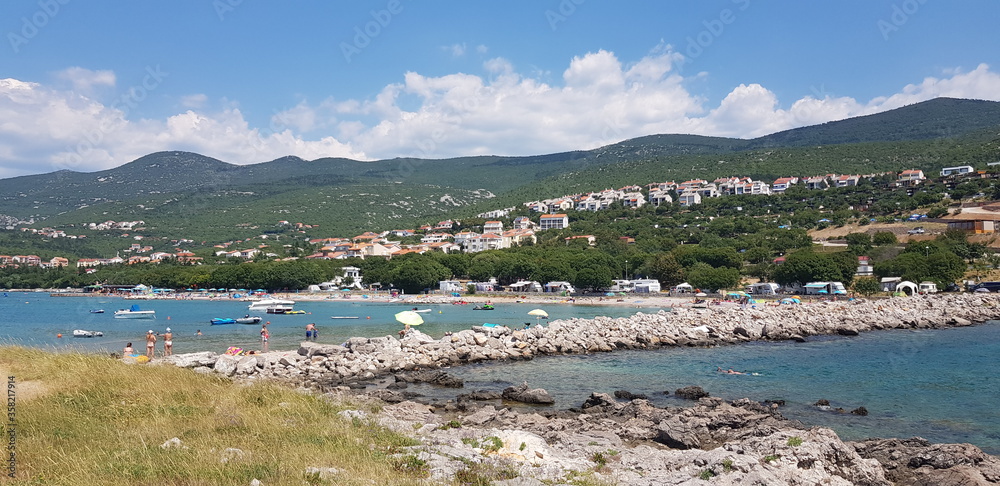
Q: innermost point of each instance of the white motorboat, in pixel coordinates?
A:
(248, 320)
(272, 306)
(83, 333)
(134, 313)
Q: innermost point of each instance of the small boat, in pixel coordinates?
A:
(248, 320)
(483, 307)
(343, 317)
(89, 334)
(272, 306)
(134, 313)
(420, 311)
(223, 320)
(96, 311)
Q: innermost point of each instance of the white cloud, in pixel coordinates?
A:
(194, 100)
(456, 50)
(44, 129)
(85, 80)
(599, 100)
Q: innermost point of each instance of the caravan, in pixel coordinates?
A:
(763, 288)
(825, 288)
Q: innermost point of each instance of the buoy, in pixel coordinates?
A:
(168, 318)
(58, 335)
(369, 317)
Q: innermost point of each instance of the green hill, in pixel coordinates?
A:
(187, 195)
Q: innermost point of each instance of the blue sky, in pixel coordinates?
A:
(89, 86)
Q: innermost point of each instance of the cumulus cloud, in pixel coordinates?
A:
(44, 129)
(598, 100)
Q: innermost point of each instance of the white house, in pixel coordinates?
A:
(962, 169)
(690, 198)
(553, 221)
(487, 241)
(659, 197)
(493, 227)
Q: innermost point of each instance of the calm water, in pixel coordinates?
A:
(937, 384)
(35, 318)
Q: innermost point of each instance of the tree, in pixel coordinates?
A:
(866, 286)
(592, 278)
(858, 243)
(416, 275)
(806, 266)
(664, 267)
(704, 276)
(884, 238)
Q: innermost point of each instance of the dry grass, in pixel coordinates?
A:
(93, 420)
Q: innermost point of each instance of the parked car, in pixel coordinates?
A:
(919, 230)
(986, 287)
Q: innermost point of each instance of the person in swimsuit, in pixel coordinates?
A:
(128, 351)
(168, 343)
(150, 343)
(311, 331)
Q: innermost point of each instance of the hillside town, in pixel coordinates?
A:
(449, 236)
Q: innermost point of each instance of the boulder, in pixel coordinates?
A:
(310, 349)
(226, 365)
(521, 393)
(691, 392)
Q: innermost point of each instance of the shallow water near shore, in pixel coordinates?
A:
(937, 384)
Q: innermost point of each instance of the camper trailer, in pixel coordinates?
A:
(825, 288)
(763, 288)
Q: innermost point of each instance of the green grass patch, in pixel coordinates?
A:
(88, 419)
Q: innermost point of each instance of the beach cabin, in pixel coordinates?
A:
(763, 288)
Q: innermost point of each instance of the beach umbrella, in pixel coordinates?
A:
(701, 294)
(409, 318)
(538, 313)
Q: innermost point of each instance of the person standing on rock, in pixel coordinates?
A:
(168, 343)
(150, 344)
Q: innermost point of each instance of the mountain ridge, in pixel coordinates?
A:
(181, 187)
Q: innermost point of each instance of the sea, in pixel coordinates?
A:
(939, 384)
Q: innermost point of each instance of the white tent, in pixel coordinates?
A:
(684, 287)
(907, 287)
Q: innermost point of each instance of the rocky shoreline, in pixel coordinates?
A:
(626, 440)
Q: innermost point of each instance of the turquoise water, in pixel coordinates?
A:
(35, 318)
(937, 384)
